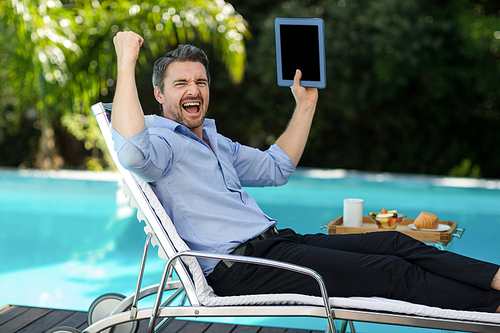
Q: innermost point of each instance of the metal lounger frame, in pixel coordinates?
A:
(127, 310)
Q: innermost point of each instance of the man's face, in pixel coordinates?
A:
(185, 94)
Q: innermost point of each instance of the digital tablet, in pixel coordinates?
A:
(300, 44)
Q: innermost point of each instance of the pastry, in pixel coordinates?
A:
(426, 221)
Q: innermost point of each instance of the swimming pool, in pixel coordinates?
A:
(69, 237)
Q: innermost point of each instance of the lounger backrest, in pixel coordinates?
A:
(165, 236)
(149, 210)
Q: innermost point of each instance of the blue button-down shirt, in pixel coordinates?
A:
(200, 186)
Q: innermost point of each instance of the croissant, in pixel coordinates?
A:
(426, 221)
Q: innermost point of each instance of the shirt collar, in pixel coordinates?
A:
(158, 121)
(162, 122)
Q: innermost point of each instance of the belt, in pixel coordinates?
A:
(240, 250)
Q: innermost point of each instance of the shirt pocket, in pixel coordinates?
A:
(231, 179)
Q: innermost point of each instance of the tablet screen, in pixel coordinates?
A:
(300, 45)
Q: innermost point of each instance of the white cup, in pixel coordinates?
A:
(353, 212)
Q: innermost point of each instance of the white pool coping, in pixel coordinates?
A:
(109, 176)
(444, 181)
(379, 177)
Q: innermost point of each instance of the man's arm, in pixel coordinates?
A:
(127, 116)
(293, 140)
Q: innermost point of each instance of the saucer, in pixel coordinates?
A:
(440, 228)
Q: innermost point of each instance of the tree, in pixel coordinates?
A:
(60, 55)
(411, 86)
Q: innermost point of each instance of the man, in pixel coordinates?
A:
(198, 176)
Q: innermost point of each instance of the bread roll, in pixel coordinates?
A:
(426, 221)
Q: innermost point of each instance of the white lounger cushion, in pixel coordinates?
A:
(208, 298)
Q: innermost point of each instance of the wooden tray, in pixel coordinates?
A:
(336, 227)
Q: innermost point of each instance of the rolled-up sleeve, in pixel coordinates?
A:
(141, 154)
(284, 165)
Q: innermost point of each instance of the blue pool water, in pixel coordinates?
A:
(68, 237)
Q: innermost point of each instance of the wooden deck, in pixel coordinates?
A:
(24, 319)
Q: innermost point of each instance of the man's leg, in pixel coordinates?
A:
(443, 263)
(350, 274)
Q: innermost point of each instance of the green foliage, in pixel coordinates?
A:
(412, 86)
(466, 169)
(60, 55)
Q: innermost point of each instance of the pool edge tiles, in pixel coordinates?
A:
(110, 176)
(381, 177)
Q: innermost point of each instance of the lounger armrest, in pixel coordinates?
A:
(256, 261)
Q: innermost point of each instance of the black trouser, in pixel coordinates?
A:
(385, 264)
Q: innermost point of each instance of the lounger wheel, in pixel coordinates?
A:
(63, 329)
(102, 308)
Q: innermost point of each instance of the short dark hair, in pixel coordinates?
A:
(181, 53)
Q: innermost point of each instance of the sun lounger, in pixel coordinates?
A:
(191, 296)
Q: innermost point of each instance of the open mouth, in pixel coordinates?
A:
(191, 107)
